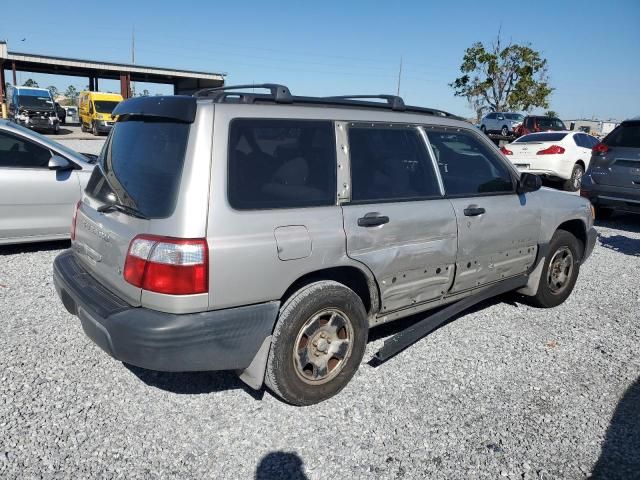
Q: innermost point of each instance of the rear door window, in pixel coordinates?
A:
(16, 152)
(141, 165)
(281, 163)
(468, 167)
(625, 135)
(390, 164)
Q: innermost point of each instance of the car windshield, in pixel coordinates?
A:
(514, 116)
(541, 137)
(36, 102)
(551, 124)
(105, 106)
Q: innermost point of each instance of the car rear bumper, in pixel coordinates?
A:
(218, 340)
(610, 196)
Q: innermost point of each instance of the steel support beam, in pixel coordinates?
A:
(13, 68)
(125, 85)
(2, 82)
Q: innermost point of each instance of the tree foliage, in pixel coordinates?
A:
(500, 78)
(53, 90)
(30, 82)
(71, 92)
(551, 113)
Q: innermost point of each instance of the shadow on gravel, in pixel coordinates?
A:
(193, 383)
(621, 244)
(279, 465)
(34, 247)
(620, 456)
(626, 222)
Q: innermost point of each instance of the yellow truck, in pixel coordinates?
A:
(95, 111)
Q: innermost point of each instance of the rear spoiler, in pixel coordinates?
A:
(174, 107)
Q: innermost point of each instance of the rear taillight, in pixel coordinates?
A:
(506, 151)
(174, 266)
(600, 149)
(552, 150)
(74, 219)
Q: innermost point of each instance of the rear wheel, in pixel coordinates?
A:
(317, 344)
(560, 271)
(573, 183)
(505, 131)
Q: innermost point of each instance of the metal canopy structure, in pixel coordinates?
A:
(184, 82)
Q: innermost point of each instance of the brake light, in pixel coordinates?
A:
(74, 219)
(552, 150)
(600, 149)
(506, 151)
(174, 266)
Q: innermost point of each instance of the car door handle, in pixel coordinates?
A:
(473, 211)
(372, 219)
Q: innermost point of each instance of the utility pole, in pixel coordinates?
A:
(399, 77)
(133, 56)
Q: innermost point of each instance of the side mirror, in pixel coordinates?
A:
(529, 183)
(56, 162)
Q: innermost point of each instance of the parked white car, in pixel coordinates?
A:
(555, 155)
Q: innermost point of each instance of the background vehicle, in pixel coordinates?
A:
(95, 111)
(62, 113)
(40, 183)
(272, 248)
(33, 108)
(555, 155)
(504, 123)
(612, 181)
(71, 114)
(538, 123)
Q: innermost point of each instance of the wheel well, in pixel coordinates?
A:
(348, 276)
(581, 163)
(577, 229)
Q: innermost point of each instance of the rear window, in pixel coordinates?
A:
(550, 123)
(281, 164)
(625, 135)
(541, 137)
(142, 162)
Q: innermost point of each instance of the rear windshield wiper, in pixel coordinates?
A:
(110, 207)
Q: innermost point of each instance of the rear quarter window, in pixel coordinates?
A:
(281, 164)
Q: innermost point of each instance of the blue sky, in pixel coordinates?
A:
(340, 47)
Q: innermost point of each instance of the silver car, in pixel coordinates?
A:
(612, 181)
(267, 233)
(40, 183)
(504, 123)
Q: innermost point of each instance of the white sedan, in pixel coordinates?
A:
(556, 155)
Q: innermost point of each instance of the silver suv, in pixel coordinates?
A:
(504, 123)
(267, 233)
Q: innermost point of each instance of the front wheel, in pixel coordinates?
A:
(94, 128)
(505, 131)
(560, 271)
(317, 344)
(483, 129)
(573, 184)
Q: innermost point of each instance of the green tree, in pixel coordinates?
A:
(551, 113)
(71, 93)
(53, 90)
(29, 82)
(500, 78)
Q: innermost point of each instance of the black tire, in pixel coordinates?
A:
(300, 384)
(56, 129)
(94, 128)
(573, 183)
(504, 131)
(82, 127)
(561, 242)
(483, 129)
(603, 213)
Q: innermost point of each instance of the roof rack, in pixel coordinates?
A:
(282, 94)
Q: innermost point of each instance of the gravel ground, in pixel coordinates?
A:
(507, 391)
(84, 146)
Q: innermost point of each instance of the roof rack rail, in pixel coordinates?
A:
(278, 93)
(281, 94)
(394, 101)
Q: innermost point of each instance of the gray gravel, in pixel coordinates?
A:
(83, 146)
(507, 391)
